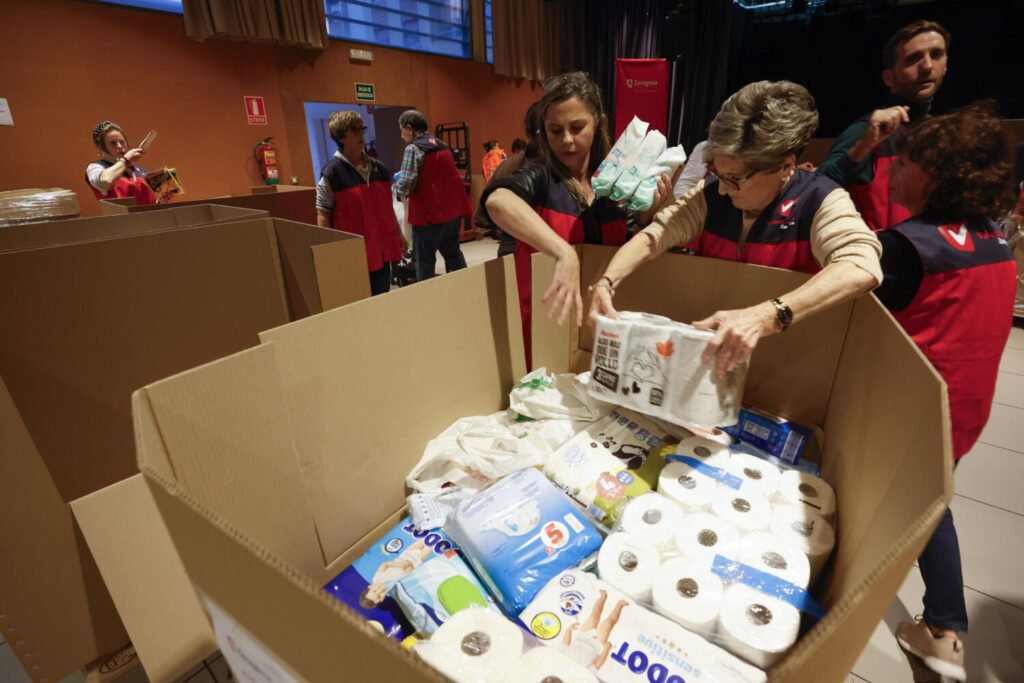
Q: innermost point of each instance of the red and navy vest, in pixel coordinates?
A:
(365, 208)
(781, 234)
(872, 200)
(603, 222)
(962, 314)
(125, 186)
(440, 194)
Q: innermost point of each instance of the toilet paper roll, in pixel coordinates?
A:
(696, 397)
(800, 488)
(629, 563)
(808, 530)
(687, 486)
(702, 535)
(756, 626)
(748, 511)
(548, 665)
(707, 451)
(770, 553)
(759, 476)
(688, 593)
(474, 644)
(655, 518)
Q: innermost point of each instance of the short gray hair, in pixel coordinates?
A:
(413, 118)
(763, 123)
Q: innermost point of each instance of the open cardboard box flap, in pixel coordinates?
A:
(94, 321)
(311, 435)
(296, 204)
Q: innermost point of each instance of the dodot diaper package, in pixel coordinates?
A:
(652, 364)
(599, 627)
(519, 533)
(365, 584)
(610, 462)
(430, 594)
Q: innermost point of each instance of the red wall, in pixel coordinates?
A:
(69, 65)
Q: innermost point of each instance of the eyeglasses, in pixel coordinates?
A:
(358, 129)
(734, 183)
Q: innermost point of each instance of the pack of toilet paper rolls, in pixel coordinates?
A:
(652, 364)
(599, 627)
(621, 157)
(610, 462)
(476, 645)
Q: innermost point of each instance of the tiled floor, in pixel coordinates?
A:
(989, 513)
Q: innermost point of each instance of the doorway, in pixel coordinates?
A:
(382, 136)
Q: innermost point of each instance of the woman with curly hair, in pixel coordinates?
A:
(949, 279)
(759, 208)
(116, 173)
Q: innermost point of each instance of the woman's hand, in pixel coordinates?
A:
(736, 334)
(662, 196)
(131, 155)
(564, 291)
(600, 304)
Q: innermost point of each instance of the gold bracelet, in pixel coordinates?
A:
(603, 282)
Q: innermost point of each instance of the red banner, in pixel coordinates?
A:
(641, 89)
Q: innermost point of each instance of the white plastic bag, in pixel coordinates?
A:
(565, 396)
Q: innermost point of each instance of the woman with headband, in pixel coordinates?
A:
(115, 173)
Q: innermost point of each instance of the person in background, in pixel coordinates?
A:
(759, 208)
(549, 205)
(949, 280)
(914, 64)
(518, 146)
(493, 156)
(530, 151)
(438, 201)
(694, 170)
(354, 195)
(116, 174)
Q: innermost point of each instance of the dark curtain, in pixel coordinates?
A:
(536, 39)
(300, 23)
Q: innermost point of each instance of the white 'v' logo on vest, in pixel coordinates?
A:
(960, 235)
(959, 238)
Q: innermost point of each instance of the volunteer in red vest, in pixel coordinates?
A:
(757, 207)
(116, 174)
(493, 156)
(549, 205)
(354, 195)
(438, 201)
(949, 279)
(914, 61)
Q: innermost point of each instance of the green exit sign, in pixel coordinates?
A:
(364, 92)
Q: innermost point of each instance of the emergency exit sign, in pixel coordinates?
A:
(364, 92)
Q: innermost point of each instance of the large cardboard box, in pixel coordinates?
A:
(294, 204)
(275, 467)
(83, 325)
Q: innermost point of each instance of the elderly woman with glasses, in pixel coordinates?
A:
(354, 195)
(757, 207)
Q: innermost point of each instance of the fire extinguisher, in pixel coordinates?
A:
(266, 159)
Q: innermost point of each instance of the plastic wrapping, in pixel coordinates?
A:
(667, 163)
(620, 158)
(474, 646)
(37, 204)
(650, 149)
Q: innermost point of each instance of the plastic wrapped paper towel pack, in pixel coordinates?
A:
(650, 149)
(667, 163)
(652, 364)
(620, 158)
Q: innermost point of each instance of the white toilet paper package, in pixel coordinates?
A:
(474, 646)
(652, 364)
(364, 585)
(670, 160)
(434, 591)
(519, 533)
(621, 157)
(599, 627)
(610, 462)
(650, 149)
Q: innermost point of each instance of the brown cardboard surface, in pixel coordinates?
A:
(337, 394)
(83, 326)
(72, 230)
(167, 626)
(319, 264)
(298, 204)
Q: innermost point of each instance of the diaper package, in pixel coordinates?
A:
(650, 149)
(622, 156)
(519, 533)
(365, 584)
(610, 462)
(652, 364)
(430, 594)
(671, 159)
(602, 629)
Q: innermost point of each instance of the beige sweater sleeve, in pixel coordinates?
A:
(680, 222)
(838, 233)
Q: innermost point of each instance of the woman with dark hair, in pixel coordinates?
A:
(549, 205)
(115, 173)
(949, 279)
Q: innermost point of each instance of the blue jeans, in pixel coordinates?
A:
(380, 279)
(428, 239)
(939, 563)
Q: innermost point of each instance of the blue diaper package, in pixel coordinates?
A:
(435, 590)
(519, 533)
(364, 585)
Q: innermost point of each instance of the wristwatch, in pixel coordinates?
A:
(783, 313)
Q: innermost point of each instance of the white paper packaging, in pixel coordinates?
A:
(621, 157)
(800, 488)
(671, 159)
(701, 536)
(808, 530)
(630, 563)
(474, 646)
(688, 593)
(650, 149)
(755, 626)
